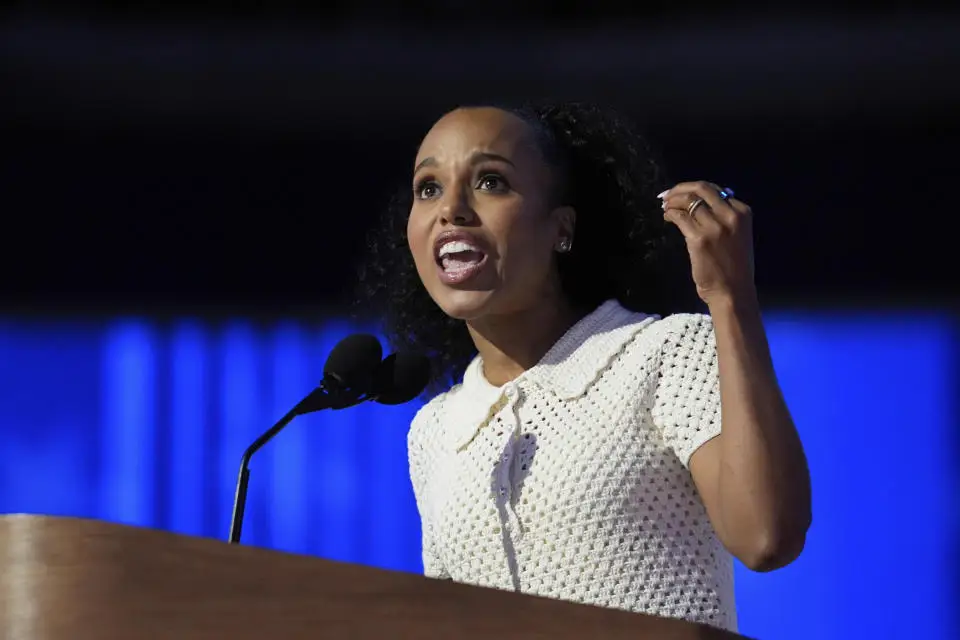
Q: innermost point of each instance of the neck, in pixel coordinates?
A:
(510, 344)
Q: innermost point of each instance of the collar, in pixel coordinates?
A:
(567, 370)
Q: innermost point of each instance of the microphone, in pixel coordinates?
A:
(401, 378)
(353, 373)
(347, 374)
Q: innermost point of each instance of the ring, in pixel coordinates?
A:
(692, 207)
(726, 193)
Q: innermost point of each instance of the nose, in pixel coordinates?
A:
(456, 209)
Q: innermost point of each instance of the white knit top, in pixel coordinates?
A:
(571, 481)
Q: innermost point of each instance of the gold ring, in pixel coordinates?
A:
(692, 207)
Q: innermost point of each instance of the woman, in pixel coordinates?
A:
(582, 456)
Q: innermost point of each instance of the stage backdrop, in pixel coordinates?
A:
(141, 422)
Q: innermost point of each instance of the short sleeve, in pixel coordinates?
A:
(418, 457)
(686, 405)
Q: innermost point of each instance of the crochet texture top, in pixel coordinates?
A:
(571, 481)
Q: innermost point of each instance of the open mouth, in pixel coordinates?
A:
(459, 260)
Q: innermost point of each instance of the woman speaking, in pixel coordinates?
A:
(581, 447)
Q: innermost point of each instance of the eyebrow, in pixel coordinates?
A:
(476, 158)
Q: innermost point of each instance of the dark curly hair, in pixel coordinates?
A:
(623, 249)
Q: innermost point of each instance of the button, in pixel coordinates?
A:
(511, 391)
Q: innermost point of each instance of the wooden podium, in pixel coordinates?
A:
(74, 579)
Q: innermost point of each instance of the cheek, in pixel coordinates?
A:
(529, 247)
(418, 239)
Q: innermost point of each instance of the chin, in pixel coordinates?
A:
(463, 304)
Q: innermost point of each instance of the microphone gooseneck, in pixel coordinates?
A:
(348, 375)
(352, 374)
(240, 497)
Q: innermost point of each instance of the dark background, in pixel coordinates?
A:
(210, 163)
(158, 156)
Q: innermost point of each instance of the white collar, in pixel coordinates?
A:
(567, 370)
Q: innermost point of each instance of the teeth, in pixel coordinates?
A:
(456, 246)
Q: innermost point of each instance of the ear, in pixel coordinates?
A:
(566, 223)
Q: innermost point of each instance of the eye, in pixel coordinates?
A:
(492, 182)
(426, 189)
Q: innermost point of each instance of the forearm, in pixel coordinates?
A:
(763, 483)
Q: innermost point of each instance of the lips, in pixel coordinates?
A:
(459, 256)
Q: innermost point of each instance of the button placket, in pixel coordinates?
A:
(505, 465)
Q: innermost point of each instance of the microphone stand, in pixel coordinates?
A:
(240, 499)
(322, 397)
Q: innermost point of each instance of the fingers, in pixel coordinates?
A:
(691, 191)
(688, 227)
(733, 203)
(693, 210)
(691, 205)
(727, 211)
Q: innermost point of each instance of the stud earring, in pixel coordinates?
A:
(565, 245)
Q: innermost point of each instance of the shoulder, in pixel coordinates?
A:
(684, 326)
(426, 428)
(682, 333)
(671, 346)
(687, 367)
(653, 337)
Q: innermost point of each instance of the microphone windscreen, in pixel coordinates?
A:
(401, 378)
(353, 361)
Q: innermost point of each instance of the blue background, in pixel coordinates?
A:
(143, 422)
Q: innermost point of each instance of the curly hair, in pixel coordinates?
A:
(623, 249)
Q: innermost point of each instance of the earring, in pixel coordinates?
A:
(565, 245)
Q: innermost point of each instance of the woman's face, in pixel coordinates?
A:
(482, 231)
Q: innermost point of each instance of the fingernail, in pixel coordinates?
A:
(663, 194)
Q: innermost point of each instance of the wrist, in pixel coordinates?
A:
(744, 302)
(737, 319)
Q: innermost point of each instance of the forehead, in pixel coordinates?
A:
(466, 131)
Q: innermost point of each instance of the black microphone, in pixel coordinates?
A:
(348, 375)
(352, 374)
(401, 378)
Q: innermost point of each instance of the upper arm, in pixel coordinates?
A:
(686, 404)
(705, 469)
